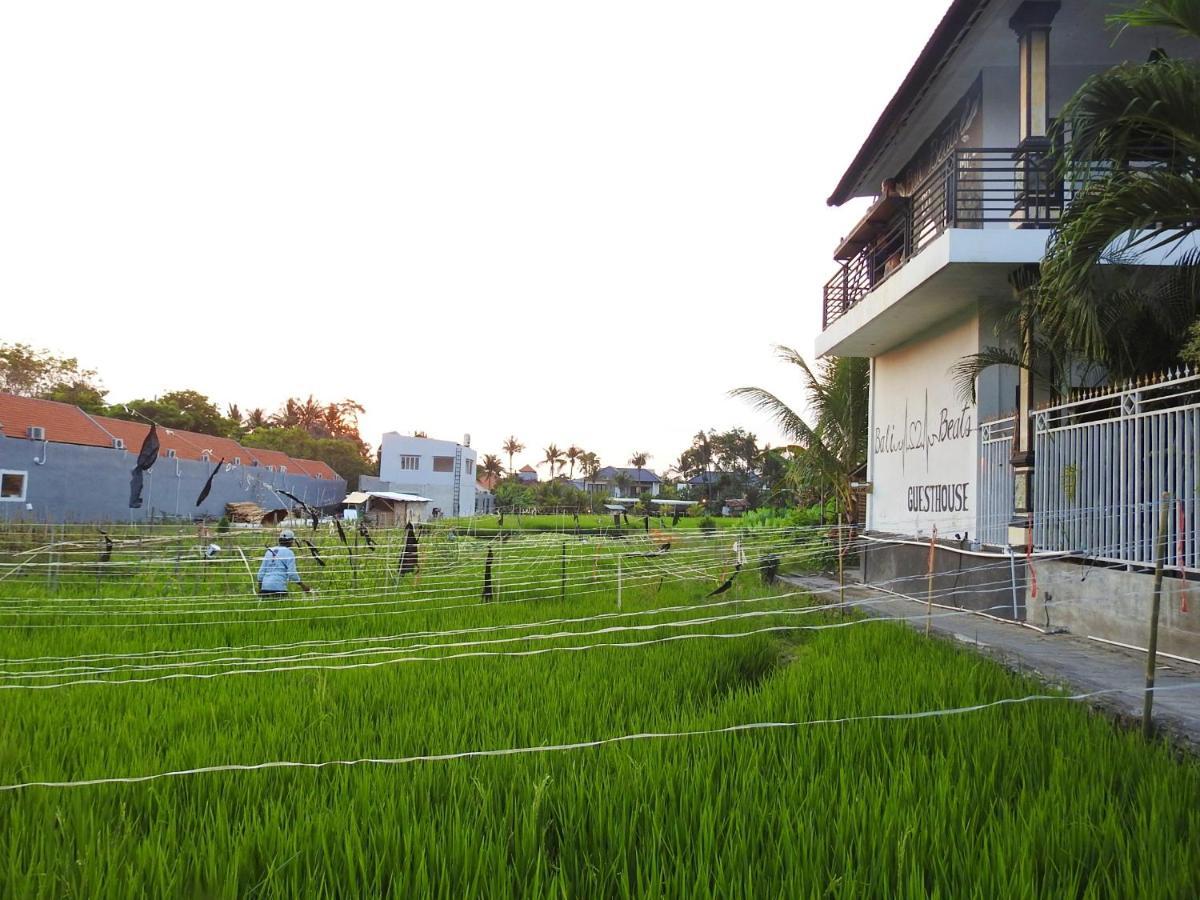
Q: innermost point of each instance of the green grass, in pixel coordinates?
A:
(1040, 799)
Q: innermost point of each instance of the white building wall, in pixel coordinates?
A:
(423, 480)
(923, 444)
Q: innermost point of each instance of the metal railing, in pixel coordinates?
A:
(1102, 463)
(970, 188)
(995, 501)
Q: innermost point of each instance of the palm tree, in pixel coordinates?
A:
(512, 447)
(836, 445)
(573, 455)
(638, 461)
(492, 467)
(553, 458)
(1129, 141)
(590, 464)
(234, 412)
(256, 418)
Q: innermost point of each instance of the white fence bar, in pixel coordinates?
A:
(1101, 463)
(995, 480)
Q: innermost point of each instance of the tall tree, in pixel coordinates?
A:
(186, 410)
(573, 454)
(590, 464)
(29, 372)
(492, 467)
(553, 457)
(836, 445)
(512, 447)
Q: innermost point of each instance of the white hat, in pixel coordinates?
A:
(287, 535)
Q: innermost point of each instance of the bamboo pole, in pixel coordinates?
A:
(929, 583)
(1160, 553)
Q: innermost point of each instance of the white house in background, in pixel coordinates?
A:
(443, 471)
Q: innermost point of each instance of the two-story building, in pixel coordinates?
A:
(961, 196)
(443, 471)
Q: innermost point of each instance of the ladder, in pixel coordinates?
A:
(458, 464)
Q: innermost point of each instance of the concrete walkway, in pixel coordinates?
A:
(1064, 660)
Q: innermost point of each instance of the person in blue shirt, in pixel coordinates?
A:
(278, 568)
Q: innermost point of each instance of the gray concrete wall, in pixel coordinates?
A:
(91, 484)
(982, 583)
(1115, 604)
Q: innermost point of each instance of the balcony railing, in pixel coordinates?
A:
(970, 188)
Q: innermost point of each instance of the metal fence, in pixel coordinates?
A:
(1102, 463)
(995, 480)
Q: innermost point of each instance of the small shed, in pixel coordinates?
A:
(386, 508)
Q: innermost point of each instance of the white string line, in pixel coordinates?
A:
(192, 560)
(389, 577)
(412, 636)
(402, 657)
(978, 588)
(590, 744)
(366, 639)
(476, 604)
(315, 611)
(315, 616)
(545, 581)
(85, 536)
(430, 584)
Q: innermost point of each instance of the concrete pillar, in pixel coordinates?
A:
(1031, 22)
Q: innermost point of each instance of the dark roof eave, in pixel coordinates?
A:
(940, 44)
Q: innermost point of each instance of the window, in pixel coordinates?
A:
(205, 457)
(468, 467)
(410, 463)
(12, 485)
(270, 468)
(237, 460)
(443, 464)
(283, 468)
(170, 454)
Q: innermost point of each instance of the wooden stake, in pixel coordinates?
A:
(618, 581)
(562, 578)
(929, 583)
(1160, 553)
(841, 570)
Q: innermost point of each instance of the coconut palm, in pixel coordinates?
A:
(836, 445)
(1128, 142)
(256, 418)
(573, 455)
(492, 467)
(590, 464)
(553, 458)
(512, 447)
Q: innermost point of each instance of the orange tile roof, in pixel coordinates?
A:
(274, 458)
(64, 424)
(319, 469)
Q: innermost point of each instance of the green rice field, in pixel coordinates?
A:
(599, 727)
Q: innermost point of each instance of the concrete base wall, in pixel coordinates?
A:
(962, 579)
(1115, 604)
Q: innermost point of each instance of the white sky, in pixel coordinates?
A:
(579, 223)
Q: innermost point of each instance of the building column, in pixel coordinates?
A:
(1031, 22)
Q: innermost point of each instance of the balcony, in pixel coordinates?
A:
(971, 188)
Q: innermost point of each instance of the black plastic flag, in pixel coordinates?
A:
(208, 484)
(145, 459)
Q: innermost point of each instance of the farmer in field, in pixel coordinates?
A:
(278, 569)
